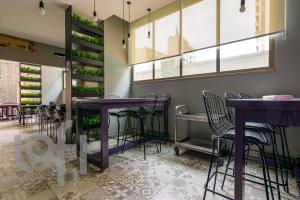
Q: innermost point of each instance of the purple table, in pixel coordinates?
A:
(102, 106)
(284, 113)
(7, 110)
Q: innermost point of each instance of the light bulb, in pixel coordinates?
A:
(123, 44)
(42, 8)
(128, 38)
(242, 8)
(149, 35)
(95, 18)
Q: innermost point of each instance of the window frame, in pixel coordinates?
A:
(269, 68)
(218, 73)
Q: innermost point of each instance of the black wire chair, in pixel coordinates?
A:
(162, 103)
(266, 129)
(141, 132)
(223, 129)
(276, 130)
(117, 115)
(243, 95)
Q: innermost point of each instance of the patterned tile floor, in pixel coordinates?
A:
(161, 177)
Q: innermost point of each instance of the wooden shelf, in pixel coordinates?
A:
(30, 88)
(84, 29)
(87, 62)
(86, 45)
(87, 78)
(79, 94)
(36, 81)
(38, 73)
(30, 97)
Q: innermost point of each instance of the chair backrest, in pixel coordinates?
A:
(243, 95)
(217, 115)
(162, 101)
(231, 110)
(148, 105)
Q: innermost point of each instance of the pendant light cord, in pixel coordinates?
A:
(123, 20)
(94, 5)
(149, 26)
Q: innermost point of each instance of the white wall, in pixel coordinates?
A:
(52, 84)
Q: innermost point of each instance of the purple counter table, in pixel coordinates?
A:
(285, 113)
(102, 106)
(7, 110)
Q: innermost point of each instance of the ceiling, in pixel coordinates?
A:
(21, 18)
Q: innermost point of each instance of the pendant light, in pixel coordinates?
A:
(128, 3)
(149, 26)
(95, 18)
(42, 8)
(243, 6)
(123, 41)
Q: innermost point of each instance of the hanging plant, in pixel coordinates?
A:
(93, 40)
(88, 72)
(86, 55)
(27, 78)
(29, 69)
(85, 21)
(30, 94)
(30, 102)
(88, 89)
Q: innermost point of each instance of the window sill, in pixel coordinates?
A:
(212, 75)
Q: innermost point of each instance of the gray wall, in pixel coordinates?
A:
(44, 55)
(117, 73)
(285, 80)
(52, 85)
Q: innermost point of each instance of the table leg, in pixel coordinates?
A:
(239, 155)
(20, 116)
(79, 129)
(23, 115)
(104, 138)
(166, 119)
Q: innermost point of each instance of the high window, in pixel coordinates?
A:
(205, 37)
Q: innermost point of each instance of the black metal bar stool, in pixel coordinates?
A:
(269, 131)
(223, 129)
(281, 131)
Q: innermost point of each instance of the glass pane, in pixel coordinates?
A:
(143, 71)
(167, 36)
(200, 62)
(166, 68)
(199, 25)
(142, 48)
(248, 54)
(251, 22)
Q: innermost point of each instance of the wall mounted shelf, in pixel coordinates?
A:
(30, 90)
(78, 43)
(88, 78)
(82, 35)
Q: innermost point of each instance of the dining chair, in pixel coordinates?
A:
(223, 130)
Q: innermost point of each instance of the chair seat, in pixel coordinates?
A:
(251, 136)
(259, 126)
